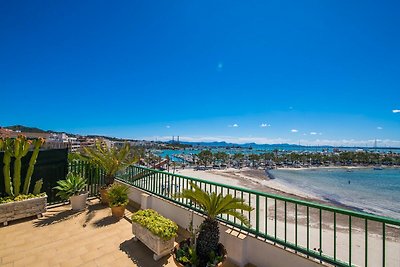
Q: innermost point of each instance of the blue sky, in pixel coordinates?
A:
(314, 72)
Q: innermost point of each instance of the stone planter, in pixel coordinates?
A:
(159, 246)
(79, 202)
(22, 209)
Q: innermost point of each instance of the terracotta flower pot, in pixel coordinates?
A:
(118, 211)
(104, 196)
(220, 246)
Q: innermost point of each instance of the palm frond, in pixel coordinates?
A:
(214, 204)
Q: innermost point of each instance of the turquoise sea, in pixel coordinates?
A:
(365, 189)
(259, 150)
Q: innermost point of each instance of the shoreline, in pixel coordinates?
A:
(257, 180)
(254, 178)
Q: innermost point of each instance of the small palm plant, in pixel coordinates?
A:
(111, 159)
(118, 199)
(72, 185)
(118, 195)
(213, 205)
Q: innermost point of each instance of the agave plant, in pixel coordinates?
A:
(111, 159)
(72, 185)
(213, 204)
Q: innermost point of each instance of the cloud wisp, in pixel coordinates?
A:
(294, 131)
(264, 125)
(220, 66)
(396, 110)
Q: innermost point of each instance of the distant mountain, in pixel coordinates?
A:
(25, 129)
(252, 145)
(209, 144)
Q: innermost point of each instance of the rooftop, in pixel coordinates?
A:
(63, 237)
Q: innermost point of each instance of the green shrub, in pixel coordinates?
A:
(118, 195)
(155, 223)
(20, 198)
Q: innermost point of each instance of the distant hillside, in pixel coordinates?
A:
(25, 129)
(225, 144)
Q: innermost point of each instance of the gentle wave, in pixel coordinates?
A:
(368, 190)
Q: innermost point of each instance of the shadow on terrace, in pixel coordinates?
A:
(63, 237)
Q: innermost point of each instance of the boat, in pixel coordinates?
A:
(378, 168)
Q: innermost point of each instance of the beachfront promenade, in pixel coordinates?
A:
(329, 234)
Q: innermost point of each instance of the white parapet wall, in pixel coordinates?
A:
(242, 248)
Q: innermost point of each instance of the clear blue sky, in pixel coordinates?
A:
(308, 71)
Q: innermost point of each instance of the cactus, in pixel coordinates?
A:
(7, 146)
(21, 148)
(18, 148)
(38, 187)
(37, 144)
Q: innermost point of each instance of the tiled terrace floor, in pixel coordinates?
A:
(66, 238)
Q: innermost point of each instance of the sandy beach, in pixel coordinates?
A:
(258, 180)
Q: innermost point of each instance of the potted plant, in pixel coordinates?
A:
(72, 188)
(118, 199)
(155, 231)
(206, 249)
(111, 160)
(18, 202)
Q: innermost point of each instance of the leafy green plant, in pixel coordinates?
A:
(111, 159)
(118, 195)
(212, 204)
(72, 185)
(155, 223)
(10, 199)
(186, 254)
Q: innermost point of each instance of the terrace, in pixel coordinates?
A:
(284, 231)
(63, 237)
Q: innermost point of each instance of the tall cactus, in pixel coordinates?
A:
(37, 144)
(8, 152)
(21, 148)
(38, 187)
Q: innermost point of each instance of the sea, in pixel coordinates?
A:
(175, 155)
(364, 189)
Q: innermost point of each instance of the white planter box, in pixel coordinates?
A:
(79, 202)
(22, 209)
(159, 246)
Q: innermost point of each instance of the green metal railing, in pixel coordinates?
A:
(328, 234)
(93, 175)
